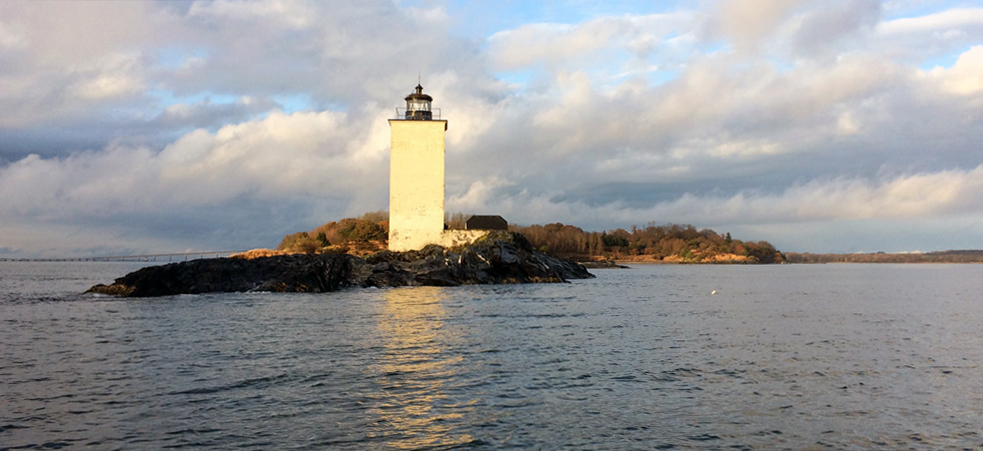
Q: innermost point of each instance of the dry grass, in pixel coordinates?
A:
(257, 253)
(366, 248)
(356, 249)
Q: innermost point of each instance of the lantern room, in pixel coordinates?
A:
(418, 106)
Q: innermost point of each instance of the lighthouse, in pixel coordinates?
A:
(416, 175)
(416, 178)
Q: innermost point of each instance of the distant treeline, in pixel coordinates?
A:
(673, 243)
(670, 243)
(963, 256)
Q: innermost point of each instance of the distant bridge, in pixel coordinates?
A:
(177, 256)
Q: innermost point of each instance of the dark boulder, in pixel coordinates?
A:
(297, 273)
(500, 257)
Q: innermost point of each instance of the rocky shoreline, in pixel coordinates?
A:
(500, 258)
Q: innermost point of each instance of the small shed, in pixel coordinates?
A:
(486, 222)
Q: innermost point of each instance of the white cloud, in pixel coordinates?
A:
(87, 183)
(944, 21)
(59, 34)
(478, 196)
(929, 38)
(846, 123)
(557, 44)
(739, 149)
(302, 154)
(11, 39)
(746, 23)
(434, 15)
(965, 77)
(954, 194)
(65, 58)
(113, 76)
(277, 156)
(296, 14)
(547, 43)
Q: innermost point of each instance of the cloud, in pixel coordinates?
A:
(61, 59)
(203, 180)
(178, 127)
(50, 35)
(965, 78)
(549, 43)
(295, 14)
(275, 157)
(604, 40)
(941, 21)
(114, 76)
(208, 114)
(930, 37)
(835, 28)
(838, 203)
(339, 54)
(746, 23)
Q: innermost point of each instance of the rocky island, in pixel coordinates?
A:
(499, 258)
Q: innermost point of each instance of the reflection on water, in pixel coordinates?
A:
(415, 370)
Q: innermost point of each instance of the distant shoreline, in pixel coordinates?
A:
(950, 256)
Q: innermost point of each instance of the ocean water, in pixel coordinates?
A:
(780, 357)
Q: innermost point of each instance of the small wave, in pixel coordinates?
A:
(703, 438)
(7, 427)
(258, 383)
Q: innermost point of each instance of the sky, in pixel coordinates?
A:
(135, 127)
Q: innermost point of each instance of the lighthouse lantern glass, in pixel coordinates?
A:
(417, 105)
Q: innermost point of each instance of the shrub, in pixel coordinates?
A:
(299, 242)
(362, 230)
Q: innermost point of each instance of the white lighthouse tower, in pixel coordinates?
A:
(416, 179)
(416, 175)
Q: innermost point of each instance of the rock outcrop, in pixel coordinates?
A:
(500, 257)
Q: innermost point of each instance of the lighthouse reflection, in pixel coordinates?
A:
(417, 373)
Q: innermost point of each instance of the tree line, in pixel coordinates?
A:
(679, 243)
(962, 256)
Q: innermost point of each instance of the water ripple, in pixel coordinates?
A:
(802, 357)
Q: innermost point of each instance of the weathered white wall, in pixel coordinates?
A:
(454, 238)
(416, 184)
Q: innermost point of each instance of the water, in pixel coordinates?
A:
(781, 357)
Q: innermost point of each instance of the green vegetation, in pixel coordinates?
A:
(674, 243)
(300, 242)
(360, 231)
(671, 243)
(364, 233)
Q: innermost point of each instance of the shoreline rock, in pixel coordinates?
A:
(499, 258)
